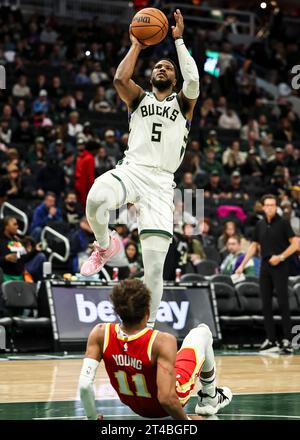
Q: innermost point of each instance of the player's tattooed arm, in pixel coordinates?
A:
(127, 89)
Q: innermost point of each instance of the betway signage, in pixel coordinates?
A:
(76, 310)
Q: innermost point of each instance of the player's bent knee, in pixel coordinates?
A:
(205, 330)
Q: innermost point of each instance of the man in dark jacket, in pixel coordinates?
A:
(43, 214)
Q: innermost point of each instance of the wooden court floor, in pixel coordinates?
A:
(264, 387)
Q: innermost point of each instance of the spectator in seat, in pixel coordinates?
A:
(229, 120)
(21, 89)
(229, 230)
(235, 257)
(206, 238)
(252, 166)
(103, 162)
(111, 145)
(214, 188)
(71, 210)
(210, 162)
(290, 159)
(74, 127)
(85, 171)
(133, 257)
(41, 104)
(194, 252)
(15, 254)
(278, 161)
(266, 150)
(236, 189)
(233, 158)
(212, 141)
(46, 212)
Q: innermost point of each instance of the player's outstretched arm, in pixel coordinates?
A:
(190, 90)
(127, 89)
(166, 349)
(90, 365)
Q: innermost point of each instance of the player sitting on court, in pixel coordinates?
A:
(143, 364)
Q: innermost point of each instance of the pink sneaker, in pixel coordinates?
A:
(100, 256)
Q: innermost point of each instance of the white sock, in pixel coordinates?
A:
(153, 261)
(209, 385)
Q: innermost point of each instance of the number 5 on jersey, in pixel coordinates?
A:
(156, 133)
(139, 382)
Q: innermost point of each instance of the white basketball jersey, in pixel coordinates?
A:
(158, 133)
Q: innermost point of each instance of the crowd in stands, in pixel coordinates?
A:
(62, 125)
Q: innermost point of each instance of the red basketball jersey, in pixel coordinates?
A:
(128, 364)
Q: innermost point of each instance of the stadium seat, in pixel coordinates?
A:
(249, 297)
(207, 267)
(227, 300)
(28, 332)
(190, 277)
(221, 278)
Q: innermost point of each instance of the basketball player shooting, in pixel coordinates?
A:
(159, 124)
(143, 364)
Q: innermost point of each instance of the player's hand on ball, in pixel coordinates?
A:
(135, 41)
(177, 31)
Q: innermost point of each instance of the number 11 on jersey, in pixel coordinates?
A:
(139, 382)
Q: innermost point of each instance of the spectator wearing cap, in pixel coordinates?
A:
(233, 158)
(103, 162)
(212, 141)
(229, 120)
(236, 189)
(57, 151)
(111, 145)
(214, 188)
(85, 171)
(210, 162)
(24, 133)
(37, 153)
(278, 161)
(278, 185)
(80, 145)
(252, 166)
(41, 104)
(100, 103)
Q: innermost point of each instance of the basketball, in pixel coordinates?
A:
(150, 26)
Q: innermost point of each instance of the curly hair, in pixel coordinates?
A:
(131, 300)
